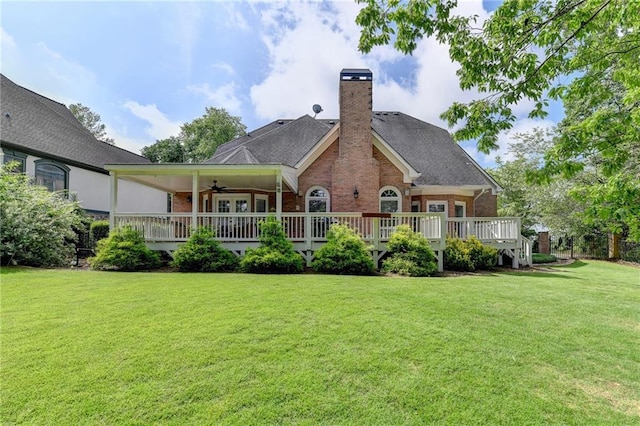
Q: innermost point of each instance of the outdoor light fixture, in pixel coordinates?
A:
(407, 192)
(189, 199)
(355, 193)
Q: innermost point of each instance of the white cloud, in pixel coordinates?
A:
(308, 45)
(307, 48)
(224, 67)
(6, 40)
(160, 126)
(235, 20)
(223, 97)
(62, 79)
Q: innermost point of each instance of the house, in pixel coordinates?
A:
(370, 169)
(53, 148)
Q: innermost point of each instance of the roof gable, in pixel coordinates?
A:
(281, 142)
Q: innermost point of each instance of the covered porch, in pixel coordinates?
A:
(253, 192)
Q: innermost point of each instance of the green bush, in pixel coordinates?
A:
(37, 227)
(203, 253)
(483, 257)
(99, 230)
(344, 253)
(543, 258)
(411, 254)
(469, 255)
(124, 250)
(456, 256)
(275, 254)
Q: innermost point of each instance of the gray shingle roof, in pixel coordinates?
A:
(427, 148)
(280, 142)
(43, 127)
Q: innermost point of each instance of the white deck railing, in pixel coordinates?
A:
(489, 229)
(314, 226)
(297, 226)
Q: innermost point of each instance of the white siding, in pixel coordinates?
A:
(93, 191)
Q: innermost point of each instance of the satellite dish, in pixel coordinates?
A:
(317, 109)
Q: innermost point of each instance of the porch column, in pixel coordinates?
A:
(279, 195)
(195, 199)
(113, 202)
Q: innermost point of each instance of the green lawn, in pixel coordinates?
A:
(559, 347)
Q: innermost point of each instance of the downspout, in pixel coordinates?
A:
(476, 199)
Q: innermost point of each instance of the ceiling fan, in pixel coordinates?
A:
(217, 188)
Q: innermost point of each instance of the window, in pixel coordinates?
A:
(461, 209)
(54, 176)
(232, 203)
(261, 203)
(437, 207)
(390, 200)
(318, 200)
(11, 155)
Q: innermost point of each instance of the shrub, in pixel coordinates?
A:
(456, 256)
(99, 230)
(411, 254)
(37, 227)
(275, 254)
(124, 250)
(543, 258)
(483, 257)
(469, 255)
(203, 253)
(344, 253)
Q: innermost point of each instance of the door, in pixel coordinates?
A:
(232, 225)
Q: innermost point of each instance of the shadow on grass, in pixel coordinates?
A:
(6, 270)
(542, 274)
(572, 265)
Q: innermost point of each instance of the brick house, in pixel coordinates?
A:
(370, 169)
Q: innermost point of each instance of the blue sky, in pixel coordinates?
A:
(148, 67)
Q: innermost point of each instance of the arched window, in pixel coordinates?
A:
(318, 200)
(390, 200)
(54, 176)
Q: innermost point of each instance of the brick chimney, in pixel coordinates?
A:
(355, 167)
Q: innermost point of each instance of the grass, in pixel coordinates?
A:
(557, 347)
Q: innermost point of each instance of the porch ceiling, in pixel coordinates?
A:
(173, 178)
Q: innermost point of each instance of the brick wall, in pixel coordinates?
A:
(486, 205)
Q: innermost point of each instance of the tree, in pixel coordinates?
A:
(557, 204)
(203, 135)
(38, 226)
(168, 150)
(90, 121)
(198, 139)
(581, 52)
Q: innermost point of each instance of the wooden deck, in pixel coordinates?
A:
(308, 231)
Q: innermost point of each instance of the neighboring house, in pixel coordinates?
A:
(373, 170)
(54, 149)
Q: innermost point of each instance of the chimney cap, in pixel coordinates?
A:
(363, 74)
